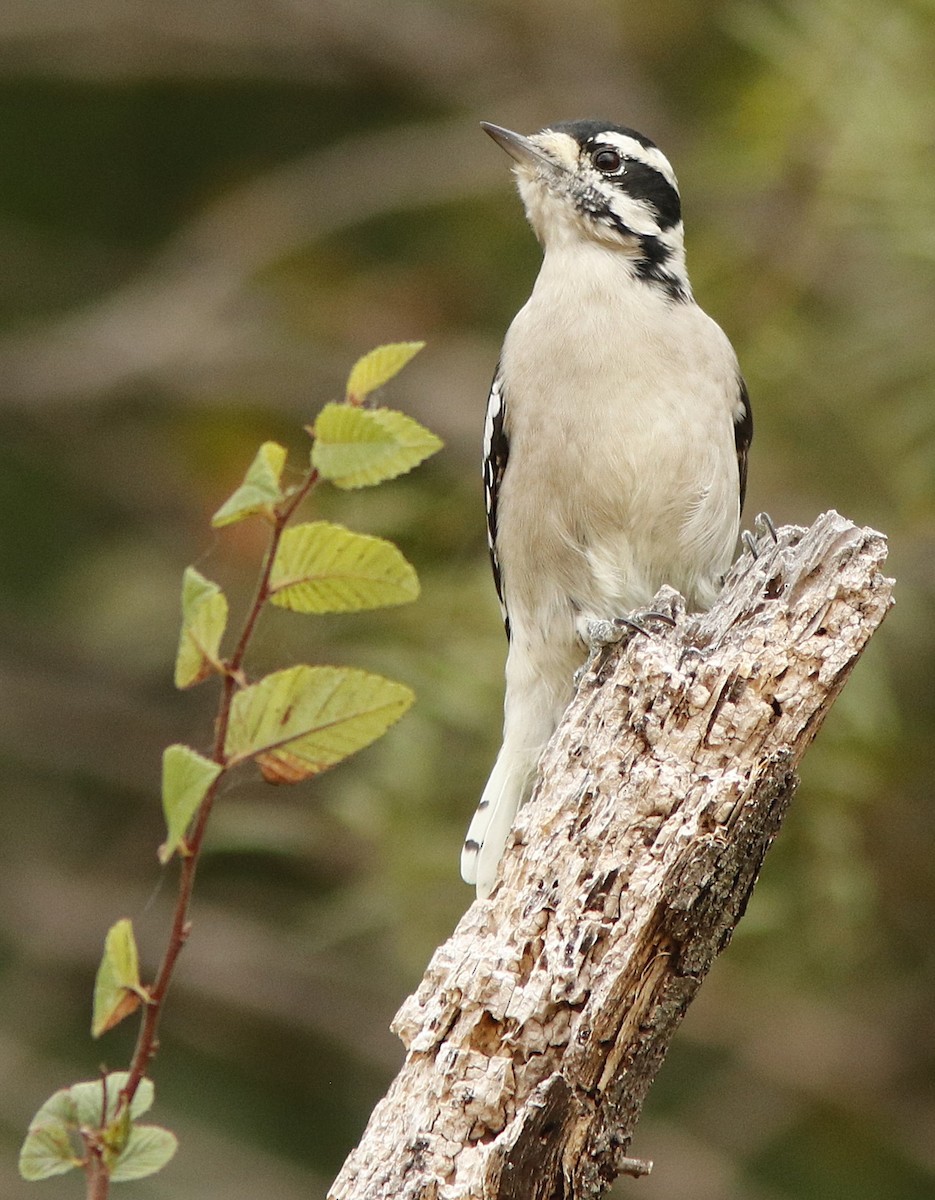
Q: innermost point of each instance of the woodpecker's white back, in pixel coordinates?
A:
(616, 435)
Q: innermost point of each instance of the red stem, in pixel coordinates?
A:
(97, 1174)
(146, 1042)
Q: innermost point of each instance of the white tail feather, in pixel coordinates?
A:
(490, 826)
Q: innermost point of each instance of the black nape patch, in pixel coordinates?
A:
(654, 254)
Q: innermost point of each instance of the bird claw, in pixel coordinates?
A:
(763, 524)
(600, 634)
(637, 620)
(763, 527)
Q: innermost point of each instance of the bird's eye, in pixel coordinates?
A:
(607, 161)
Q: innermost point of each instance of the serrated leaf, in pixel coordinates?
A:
(50, 1145)
(148, 1149)
(186, 777)
(298, 722)
(321, 567)
(378, 367)
(260, 490)
(204, 619)
(117, 988)
(359, 447)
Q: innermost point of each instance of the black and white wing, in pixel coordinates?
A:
(743, 436)
(496, 453)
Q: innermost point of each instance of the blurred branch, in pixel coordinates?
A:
(540, 1026)
(245, 964)
(296, 39)
(458, 54)
(79, 721)
(192, 307)
(197, 311)
(197, 314)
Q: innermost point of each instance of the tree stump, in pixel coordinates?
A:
(541, 1023)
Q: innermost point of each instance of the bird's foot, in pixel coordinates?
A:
(600, 635)
(763, 527)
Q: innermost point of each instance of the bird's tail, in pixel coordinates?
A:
(490, 826)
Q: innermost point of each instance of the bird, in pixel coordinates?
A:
(616, 436)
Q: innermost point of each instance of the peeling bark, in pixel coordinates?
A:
(541, 1023)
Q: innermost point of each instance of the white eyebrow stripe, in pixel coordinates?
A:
(652, 156)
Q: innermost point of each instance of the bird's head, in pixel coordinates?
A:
(604, 183)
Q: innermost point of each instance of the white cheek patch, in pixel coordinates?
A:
(638, 216)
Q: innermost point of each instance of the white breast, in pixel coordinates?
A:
(622, 472)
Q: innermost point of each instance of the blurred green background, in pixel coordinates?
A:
(207, 212)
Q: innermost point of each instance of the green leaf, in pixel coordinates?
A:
(117, 988)
(47, 1151)
(379, 367)
(321, 567)
(87, 1098)
(204, 618)
(116, 1135)
(186, 777)
(260, 491)
(51, 1145)
(147, 1150)
(298, 722)
(358, 447)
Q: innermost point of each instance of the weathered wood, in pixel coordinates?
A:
(541, 1023)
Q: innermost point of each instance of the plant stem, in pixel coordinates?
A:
(147, 1041)
(97, 1175)
(235, 662)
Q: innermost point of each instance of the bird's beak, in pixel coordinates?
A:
(518, 147)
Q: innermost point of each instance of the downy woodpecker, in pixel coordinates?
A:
(616, 435)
